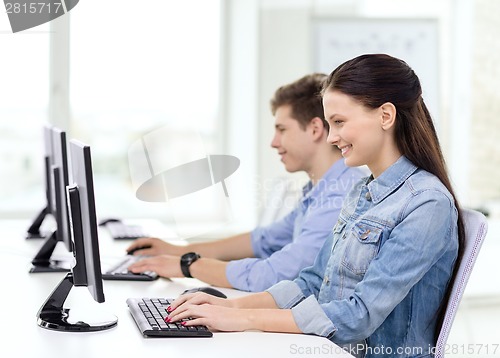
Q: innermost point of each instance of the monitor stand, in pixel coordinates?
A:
(33, 231)
(42, 262)
(52, 314)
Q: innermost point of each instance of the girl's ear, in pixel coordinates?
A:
(388, 115)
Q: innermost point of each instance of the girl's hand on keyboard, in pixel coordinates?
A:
(214, 312)
(200, 298)
(238, 314)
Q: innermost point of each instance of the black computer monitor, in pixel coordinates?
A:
(34, 231)
(87, 268)
(58, 180)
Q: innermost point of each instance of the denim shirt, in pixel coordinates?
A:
(382, 274)
(288, 245)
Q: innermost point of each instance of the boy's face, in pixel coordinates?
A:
(294, 144)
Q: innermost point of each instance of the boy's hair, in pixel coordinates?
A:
(304, 98)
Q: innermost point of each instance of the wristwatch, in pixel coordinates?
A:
(186, 261)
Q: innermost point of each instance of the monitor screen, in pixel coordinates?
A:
(87, 269)
(60, 181)
(49, 161)
(86, 235)
(33, 231)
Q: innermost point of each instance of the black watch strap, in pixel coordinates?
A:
(186, 261)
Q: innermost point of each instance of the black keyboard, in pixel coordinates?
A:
(150, 313)
(120, 271)
(120, 231)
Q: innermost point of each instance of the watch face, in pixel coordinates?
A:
(189, 258)
(186, 261)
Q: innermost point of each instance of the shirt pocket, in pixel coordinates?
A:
(362, 246)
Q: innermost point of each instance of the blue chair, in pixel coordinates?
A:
(475, 231)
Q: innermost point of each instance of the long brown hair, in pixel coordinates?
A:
(375, 79)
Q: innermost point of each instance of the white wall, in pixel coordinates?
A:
(285, 51)
(239, 107)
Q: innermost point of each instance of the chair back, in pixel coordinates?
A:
(475, 231)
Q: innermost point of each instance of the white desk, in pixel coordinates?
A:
(22, 294)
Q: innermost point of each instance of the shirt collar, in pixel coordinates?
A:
(390, 179)
(333, 173)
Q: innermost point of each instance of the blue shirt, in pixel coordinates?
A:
(285, 247)
(382, 274)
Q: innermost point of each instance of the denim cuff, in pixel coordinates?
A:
(286, 294)
(310, 318)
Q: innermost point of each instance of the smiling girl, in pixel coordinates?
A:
(380, 282)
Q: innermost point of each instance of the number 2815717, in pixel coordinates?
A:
(33, 8)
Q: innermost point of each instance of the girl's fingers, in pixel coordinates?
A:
(196, 298)
(181, 300)
(183, 312)
(201, 321)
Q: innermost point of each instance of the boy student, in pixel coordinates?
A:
(256, 260)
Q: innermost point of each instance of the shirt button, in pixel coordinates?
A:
(365, 235)
(326, 280)
(368, 196)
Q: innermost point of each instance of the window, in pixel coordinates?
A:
(137, 68)
(23, 111)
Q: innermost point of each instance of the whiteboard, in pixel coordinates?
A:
(413, 40)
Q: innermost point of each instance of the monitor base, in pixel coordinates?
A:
(33, 231)
(38, 235)
(66, 321)
(42, 261)
(54, 316)
(52, 266)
